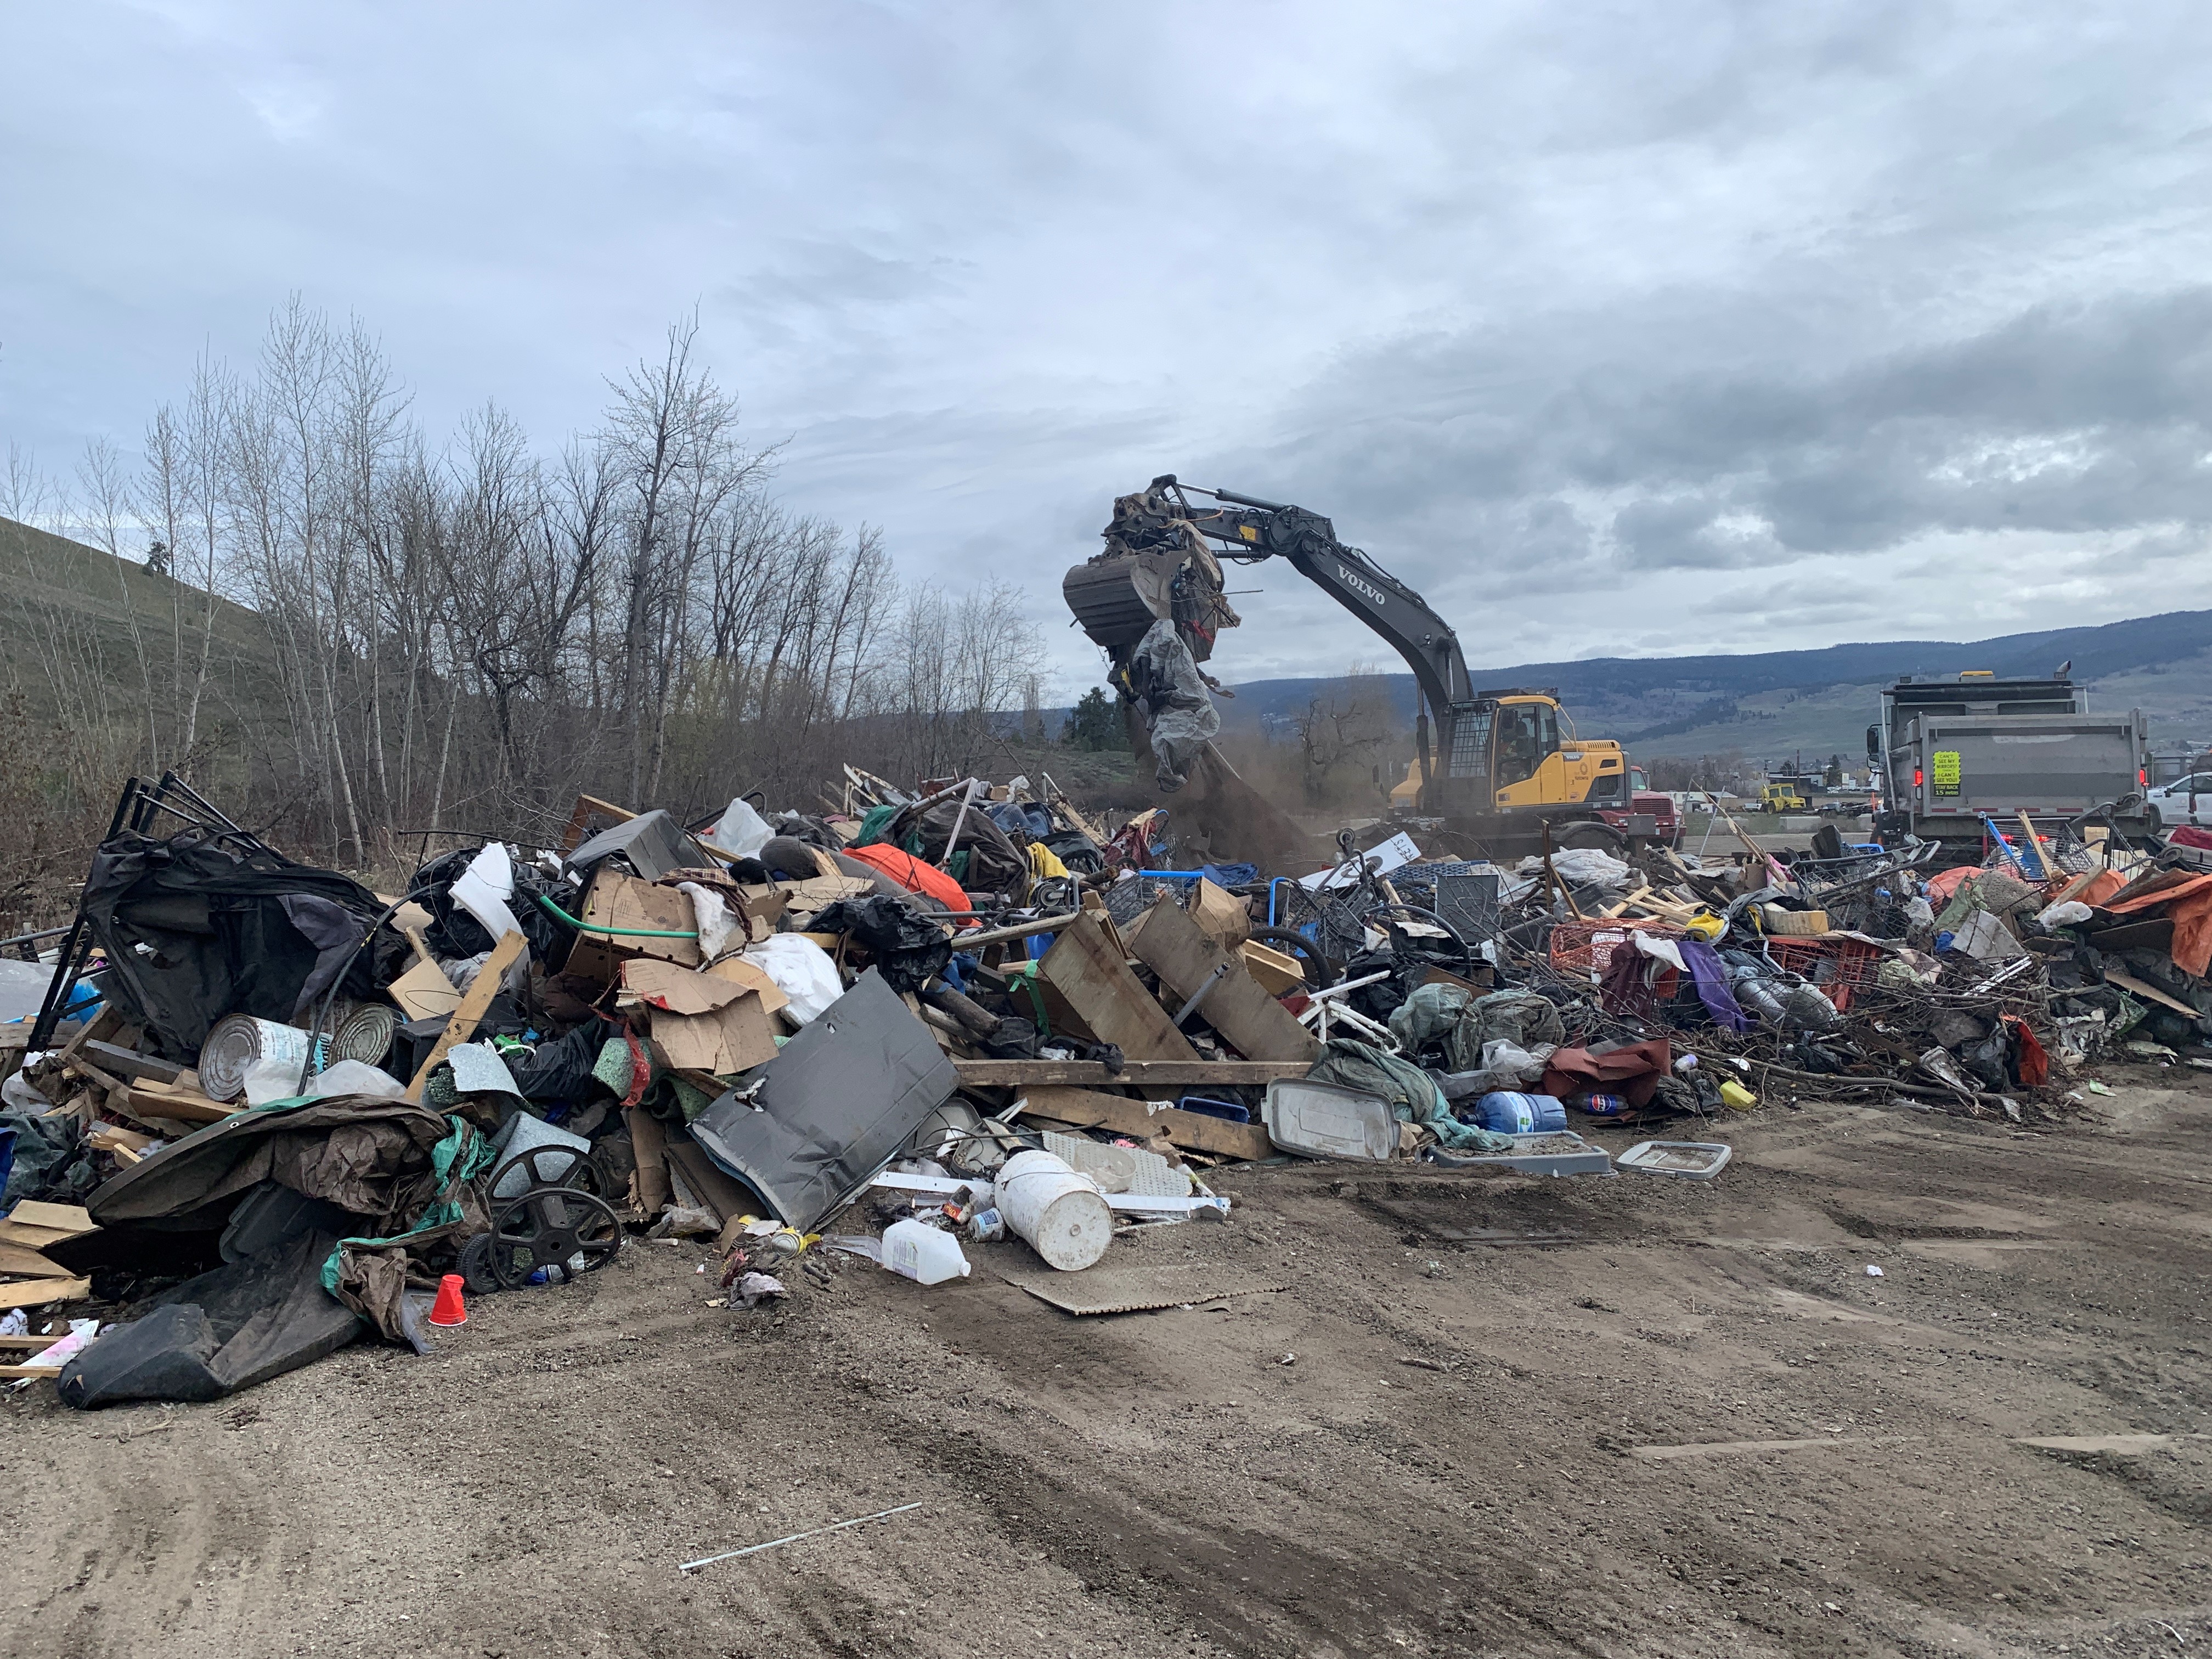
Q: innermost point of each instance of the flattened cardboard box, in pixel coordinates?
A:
(701, 1022)
(735, 1037)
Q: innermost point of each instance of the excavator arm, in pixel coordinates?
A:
(1249, 530)
(1500, 775)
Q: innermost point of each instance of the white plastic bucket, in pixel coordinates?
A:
(1059, 1214)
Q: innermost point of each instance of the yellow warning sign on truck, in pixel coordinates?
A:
(1943, 774)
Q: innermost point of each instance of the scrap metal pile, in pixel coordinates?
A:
(265, 1111)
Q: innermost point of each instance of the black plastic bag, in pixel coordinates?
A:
(908, 948)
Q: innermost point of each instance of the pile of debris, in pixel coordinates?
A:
(265, 1111)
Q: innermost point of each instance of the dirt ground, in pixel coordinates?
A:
(1439, 1437)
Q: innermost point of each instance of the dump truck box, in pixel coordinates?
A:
(1947, 770)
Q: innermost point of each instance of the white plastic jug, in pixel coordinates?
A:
(923, 1253)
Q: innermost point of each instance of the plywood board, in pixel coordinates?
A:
(1134, 1289)
(26, 1263)
(37, 1293)
(462, 1025)
(68, 1219)
(1088, 1109)
(1136, 1074)
(1096, 983)
(1252, 1022)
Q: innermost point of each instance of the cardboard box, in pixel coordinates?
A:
(1220, 914)
(423, 992)
(735, 1037)
(1277, 971)
(616, 900)
(739, 971)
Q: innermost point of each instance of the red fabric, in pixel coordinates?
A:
(2190, 904)
(2102, 886)
(2031, 1062)
(1941, 887)
(911, 873)
(1636, 1069)
(2190, 835)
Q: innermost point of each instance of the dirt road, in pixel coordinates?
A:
(1485, 1416)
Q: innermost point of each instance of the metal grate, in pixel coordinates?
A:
(1467, 899)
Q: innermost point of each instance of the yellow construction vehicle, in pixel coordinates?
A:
(1781, 797)
(1507, 770)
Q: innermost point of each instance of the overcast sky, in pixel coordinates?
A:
(1617, 329)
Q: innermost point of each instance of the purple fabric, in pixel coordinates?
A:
(1712, 983)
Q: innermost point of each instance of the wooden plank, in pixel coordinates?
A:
(1089, 1109)
(24, 1262)
(62, 1217)
(1252, 1022)
(1086, 968)
(1136, 1074)
(590, 816)
(37, 1293)
(463, 1025)
(2134, 986)
(149, 1099)
(125, 1064)
(32, 1238)
(30, 1371)
(29, 1344)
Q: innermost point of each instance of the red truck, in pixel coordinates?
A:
(1650, 814)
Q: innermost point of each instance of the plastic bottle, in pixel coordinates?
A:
(1604, 1105)
(1510, 1112)
(922, 1253)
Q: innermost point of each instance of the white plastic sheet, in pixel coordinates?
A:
(484, 889)
(741, 834)
(802, 971)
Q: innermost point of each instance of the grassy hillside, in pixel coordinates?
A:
(86, 634)
(1771, 704)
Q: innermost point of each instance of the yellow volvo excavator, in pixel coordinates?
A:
(1504, 762)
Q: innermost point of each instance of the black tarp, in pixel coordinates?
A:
(454, 934)
(193, 930)
(909, 948)
(994, 864)
(834, 1108)
(241, 1324)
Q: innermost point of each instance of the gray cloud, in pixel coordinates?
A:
(1726, 325)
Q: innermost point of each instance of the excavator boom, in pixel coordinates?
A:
(1501, 769)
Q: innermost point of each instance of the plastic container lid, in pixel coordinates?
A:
(1689, 1160)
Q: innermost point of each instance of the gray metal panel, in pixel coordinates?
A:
(838, 1105)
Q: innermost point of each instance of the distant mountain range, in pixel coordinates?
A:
(1773, 704)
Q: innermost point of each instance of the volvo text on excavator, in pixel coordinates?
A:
(1496, 766)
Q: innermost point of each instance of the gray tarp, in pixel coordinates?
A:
(1177, 711)
(1411, 1092)
(834, 1108)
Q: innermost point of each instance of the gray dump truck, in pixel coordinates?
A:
(1951, 749)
